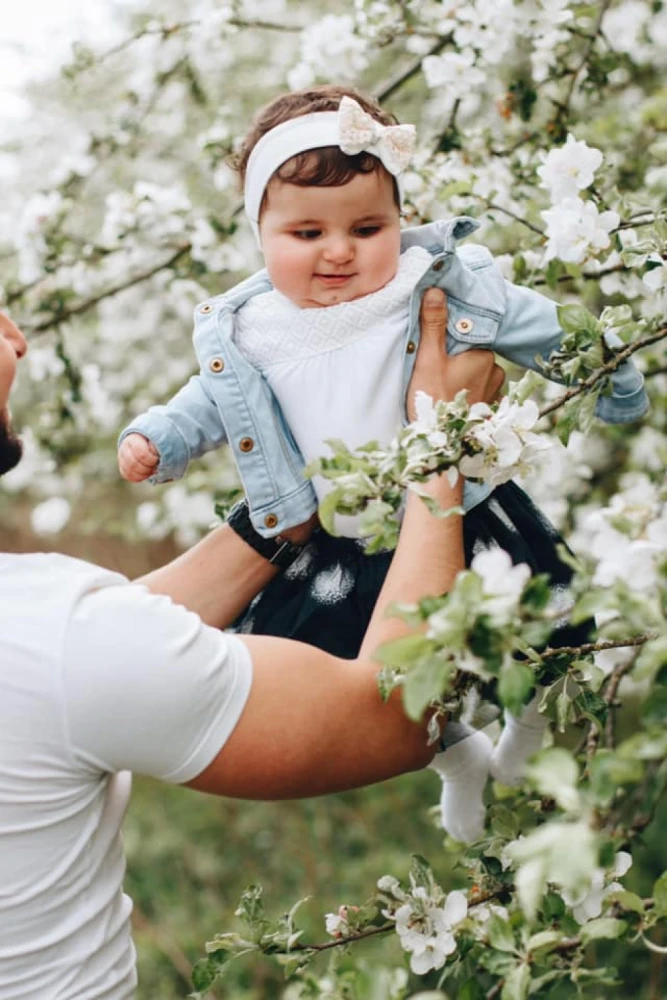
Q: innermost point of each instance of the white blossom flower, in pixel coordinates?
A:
(588, 904)
(50, 516)
(456, 71)
(336, 923)
(425, 930)
(331, 41)
(506, 442)
(570, 168)
(576, 230)
(656, 278)
(503, 583)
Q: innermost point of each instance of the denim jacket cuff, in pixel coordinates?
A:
(169, 442)
(287, 512)
(628, 401)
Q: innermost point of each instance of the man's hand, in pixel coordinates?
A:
(137, 458)
(440, 376)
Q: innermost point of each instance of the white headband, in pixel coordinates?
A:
(350, 128)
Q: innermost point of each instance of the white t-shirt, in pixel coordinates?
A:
(98, 678)
(336, 371)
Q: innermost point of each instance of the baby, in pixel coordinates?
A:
(321, 345)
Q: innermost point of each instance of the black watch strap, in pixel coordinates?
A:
(277, 551)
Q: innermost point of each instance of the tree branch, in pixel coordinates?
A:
(551, 653)
(86, 304)
(593, 37)
(607, 369)
(389, 88)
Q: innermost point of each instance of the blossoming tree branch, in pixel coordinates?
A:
(546, 121)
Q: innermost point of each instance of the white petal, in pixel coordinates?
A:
(456, 907)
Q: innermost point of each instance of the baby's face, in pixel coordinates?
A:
(325, 245)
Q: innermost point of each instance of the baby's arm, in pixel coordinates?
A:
(530, 328)
(187, 427)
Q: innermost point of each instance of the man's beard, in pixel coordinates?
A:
(11, 447)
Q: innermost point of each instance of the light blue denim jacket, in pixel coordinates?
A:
(229, 400)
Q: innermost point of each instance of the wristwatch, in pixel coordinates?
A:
(277, 551)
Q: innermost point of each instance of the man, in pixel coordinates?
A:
(100, 677)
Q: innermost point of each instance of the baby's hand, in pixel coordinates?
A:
(137, 458)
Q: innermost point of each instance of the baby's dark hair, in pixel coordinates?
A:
(327, 166)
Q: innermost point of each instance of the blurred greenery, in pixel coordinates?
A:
(190, 856)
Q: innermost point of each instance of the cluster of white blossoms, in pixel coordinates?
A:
(330, 42)
(544, 24)
(505, 439)
(589, 902)
(628, 538)
(576, 230)
(456, 72)
(503, 584)
(41, 214)
(425, 919)
(149, 208)
(495, 596)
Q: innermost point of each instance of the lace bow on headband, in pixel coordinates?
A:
(360, 133)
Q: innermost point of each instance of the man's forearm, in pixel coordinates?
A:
(428, 556)
(217, 578)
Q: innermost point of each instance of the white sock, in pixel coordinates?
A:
(521, 737)
(464, 768)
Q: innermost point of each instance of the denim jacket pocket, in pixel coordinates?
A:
(471, 326)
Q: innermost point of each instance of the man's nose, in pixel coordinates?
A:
(10, 331)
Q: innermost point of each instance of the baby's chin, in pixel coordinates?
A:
(337, 296)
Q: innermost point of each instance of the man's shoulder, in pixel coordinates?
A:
(51, 572)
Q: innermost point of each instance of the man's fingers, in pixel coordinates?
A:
(434, 314)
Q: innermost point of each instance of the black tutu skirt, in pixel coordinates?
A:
(327, 595)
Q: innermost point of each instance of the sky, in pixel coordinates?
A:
(36, 37)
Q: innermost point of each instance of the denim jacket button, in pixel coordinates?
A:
(271, 521)
(206, 308)
(411, 347)
(246, 444)
(464, 325)
(438, 265)
(216, 365)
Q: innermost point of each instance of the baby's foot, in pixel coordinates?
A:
(464, 768)
(521, 737)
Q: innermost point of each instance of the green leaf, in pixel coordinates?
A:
(405, 650)
(555, 773)
(645, 746)
(471, 990)
(501, 935)
(517, 983)
(504, 822)
(455, 188)
(425, 684)
(651, 659)
(660, 895)
(574, 318)
(592, 706)
(627, 900)
(515, 683)
(602, 927)
(327, 510)
(544, 941)
(420, 871)
(609, 771)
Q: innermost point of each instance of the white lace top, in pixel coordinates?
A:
(336, 371)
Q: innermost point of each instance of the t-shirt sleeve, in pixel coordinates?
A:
(147, 686)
